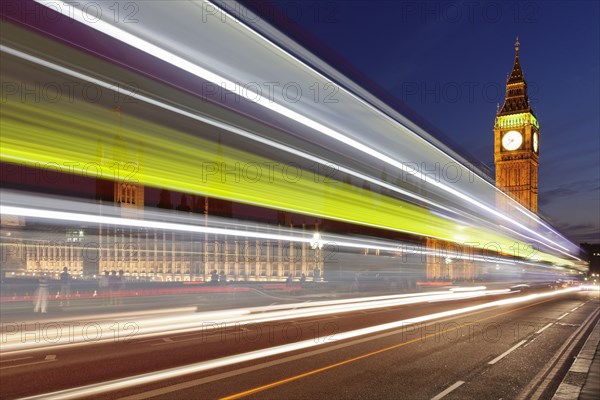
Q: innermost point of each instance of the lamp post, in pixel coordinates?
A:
(317, 244)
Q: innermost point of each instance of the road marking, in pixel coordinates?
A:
(31, 363)
(50, 358)
(507, 352)
(547, 375)
(136, 380)
(530, 342)
(328, 367)
(16, 359)
(562, 316)
(148, 340)
(544, 328)
(200, 336)
(445, 392)
(170, 341)
(244, 370)
(575, 309)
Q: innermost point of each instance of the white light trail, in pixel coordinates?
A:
(300, 237)
(246, 134)
(244, 92)
(467, 288)
(218, 124)
(153, 377)
(14, 341)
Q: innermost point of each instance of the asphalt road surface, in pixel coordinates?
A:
(427, 351)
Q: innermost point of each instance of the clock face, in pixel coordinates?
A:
(535, 142)
(512, 140)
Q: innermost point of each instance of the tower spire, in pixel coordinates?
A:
(517, 73)
(516, 100)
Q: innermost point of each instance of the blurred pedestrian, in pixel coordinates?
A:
(65, 287)
(113, 286)
(41, 303)
(103, 285)
(289, 280)
(214, 278)
(302, 279)
(222, 278)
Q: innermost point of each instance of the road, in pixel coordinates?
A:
(494, 346)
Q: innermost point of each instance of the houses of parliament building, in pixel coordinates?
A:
(149, 253)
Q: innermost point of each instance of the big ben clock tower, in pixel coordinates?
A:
(516, 142)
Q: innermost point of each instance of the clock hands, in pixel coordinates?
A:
(511, 142)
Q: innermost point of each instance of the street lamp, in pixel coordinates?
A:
(317, 244)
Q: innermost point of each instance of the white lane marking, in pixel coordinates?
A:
(198, 336)
(16, 359)
(575, 309)
(172, 341)
(26, 364)
(531, 341)
(50, 358)
(201, 381)
(544, 328)
(562, 316)
(168, 341)
(148, 340)
(507, 352)
(445, 392)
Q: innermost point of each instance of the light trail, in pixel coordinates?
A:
(17, 341)
(218, 124)
(20, 155)
(244, 92)
(467, 288)
(190, 225)
(388, 113)
(406, 223)
(153, 377)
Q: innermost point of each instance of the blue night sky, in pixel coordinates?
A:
(448, 61)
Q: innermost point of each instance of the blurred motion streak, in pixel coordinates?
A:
(153, 377)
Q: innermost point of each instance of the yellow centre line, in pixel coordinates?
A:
(316, 371)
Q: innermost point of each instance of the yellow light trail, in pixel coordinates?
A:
(168, 53)
(83, 135)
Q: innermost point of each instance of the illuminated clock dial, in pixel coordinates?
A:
(512, 140)
(535, 142)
